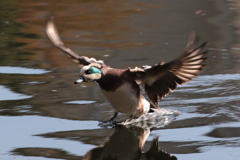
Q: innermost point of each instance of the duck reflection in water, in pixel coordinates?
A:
(127, 142)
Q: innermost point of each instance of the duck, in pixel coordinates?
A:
(129, 142)
(123, 87)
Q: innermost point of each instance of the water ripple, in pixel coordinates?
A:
(208, 80)
(10, 95)
(21, 70)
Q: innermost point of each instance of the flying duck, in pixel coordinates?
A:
(122, 86)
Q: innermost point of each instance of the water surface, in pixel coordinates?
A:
(44, 116)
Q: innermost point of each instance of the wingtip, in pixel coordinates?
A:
(193, 41)
(154, 145)
(49, 19)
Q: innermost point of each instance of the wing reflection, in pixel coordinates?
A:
(127, 142)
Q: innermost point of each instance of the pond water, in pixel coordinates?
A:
(44, 116)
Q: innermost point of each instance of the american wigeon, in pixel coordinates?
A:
(122, 86)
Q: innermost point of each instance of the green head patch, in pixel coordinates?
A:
(93, 70)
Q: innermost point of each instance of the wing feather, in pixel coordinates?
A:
(53, 36)
(159, 80)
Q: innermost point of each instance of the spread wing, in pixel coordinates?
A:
(159, 80)
(53, 36)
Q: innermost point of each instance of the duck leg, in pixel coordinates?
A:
(129, 119)
(113, 117)
(109, 121)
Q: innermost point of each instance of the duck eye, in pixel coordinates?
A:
(88, 72)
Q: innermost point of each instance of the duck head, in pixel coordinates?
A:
(89, 74)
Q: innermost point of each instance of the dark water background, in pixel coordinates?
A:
(43, 116)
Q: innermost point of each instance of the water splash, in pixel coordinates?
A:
(157, 119)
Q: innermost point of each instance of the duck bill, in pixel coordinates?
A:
(79, 80)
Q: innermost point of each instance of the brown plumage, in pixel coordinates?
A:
(122, 86)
